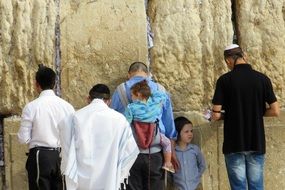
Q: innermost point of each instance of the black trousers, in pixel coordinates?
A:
(43, 168)
(146, 173)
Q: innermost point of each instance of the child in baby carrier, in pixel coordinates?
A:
(143, 114)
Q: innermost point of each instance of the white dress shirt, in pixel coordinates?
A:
(40, 118)
(98, 148)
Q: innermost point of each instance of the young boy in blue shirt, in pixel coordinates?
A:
(192, 162)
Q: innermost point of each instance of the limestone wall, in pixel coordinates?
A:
(100, 38)
(189, 40)
(190, 37)
(26, 39)
(261, 26)
(15, 157)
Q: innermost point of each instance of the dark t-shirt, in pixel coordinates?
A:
(243, 94)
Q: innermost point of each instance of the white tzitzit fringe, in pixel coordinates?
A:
(125, 182)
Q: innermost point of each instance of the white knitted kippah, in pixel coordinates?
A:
(232, 46)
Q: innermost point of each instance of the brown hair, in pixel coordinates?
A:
(142, 88)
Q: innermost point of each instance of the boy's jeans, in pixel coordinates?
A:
(245, 170)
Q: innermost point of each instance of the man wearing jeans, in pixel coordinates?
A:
(242, 98)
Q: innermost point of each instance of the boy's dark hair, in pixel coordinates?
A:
(142, 88)
(45, 77)
(100, 91)
(179, 124)
(138, 66)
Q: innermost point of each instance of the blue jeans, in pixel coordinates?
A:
(245, 170)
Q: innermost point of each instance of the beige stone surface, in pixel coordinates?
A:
(15, 157)
(189, 40)
(262, 35)
(275, 146)
(99, 40)
(27, 39)
(274, 166)
(210, 146)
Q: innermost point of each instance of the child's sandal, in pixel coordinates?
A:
(168, 169)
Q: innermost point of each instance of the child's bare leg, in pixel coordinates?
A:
(167, 158)
(166, 145)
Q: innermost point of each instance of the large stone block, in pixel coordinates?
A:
(99, 40)
(189, 38)
(15, 157)
(261, 27)
(27, 39)
(275, 144)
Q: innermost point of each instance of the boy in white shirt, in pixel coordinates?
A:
(39, 130)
